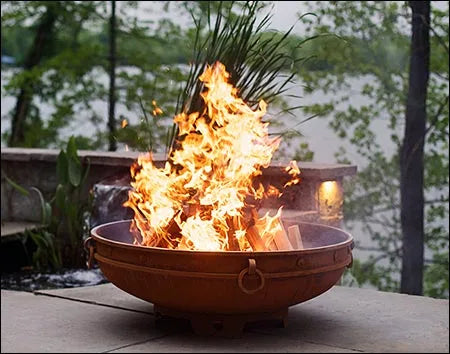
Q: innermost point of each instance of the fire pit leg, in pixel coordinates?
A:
(203, 327)
(233, 327)
(222, 325)
(284, 322)
(211, 325)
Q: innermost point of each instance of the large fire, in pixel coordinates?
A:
(205, 198)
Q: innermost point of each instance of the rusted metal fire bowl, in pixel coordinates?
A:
(229, 283)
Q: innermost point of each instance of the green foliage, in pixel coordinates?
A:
(149, 59)
(69, 205)
(47, 254)
(67, 78)
(303, 153)
(62, 77)
(236, 41)
(16, 42)
(256, 59)
(15, 185)
(437, 275)
(375, 49)
(59, 241)
(380, 277)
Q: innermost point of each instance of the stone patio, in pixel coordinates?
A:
(103, 318)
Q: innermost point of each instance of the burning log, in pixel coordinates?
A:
(281, 239)
(233, 243)
(252, 233)
(271, 245)
(266, 242)
(191, 209)
(295, 237)
(255, 240)
(173, 229)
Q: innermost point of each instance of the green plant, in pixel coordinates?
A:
(258, 60)
(47, 253)
(69, 206)
(59, 241)
(370, 119)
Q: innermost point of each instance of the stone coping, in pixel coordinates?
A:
(11, 228)
(312, 170)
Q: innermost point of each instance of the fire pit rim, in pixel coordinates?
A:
(348, 241)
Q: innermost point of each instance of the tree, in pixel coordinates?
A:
(411, 162)
(112, 78)
(68, 78)
(373, 51)
(42, 39)
(141, 61)
(56, 69)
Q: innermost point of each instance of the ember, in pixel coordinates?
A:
(205, 197)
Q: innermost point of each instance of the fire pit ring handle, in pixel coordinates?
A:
(89, 247)
(251, 270)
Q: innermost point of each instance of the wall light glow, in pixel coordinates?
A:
(330, 195)
(328, 189)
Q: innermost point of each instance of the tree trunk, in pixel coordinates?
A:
(41, 41)
(412, 164)
(112, 78)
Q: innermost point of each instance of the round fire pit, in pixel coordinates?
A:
(225, 286)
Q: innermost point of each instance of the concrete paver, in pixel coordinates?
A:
(370, 320)
(250, 343)
(32, 323)
(340, 320)
(104, 294)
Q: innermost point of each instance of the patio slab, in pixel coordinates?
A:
(103, 295)
(104, 318)
(33, 323)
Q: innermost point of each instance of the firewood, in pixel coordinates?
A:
(191, 209)
(173, 228)
(233, 243)
(254, 214)
(271, 245)
(281, 239)
(268, 245)
(173, 231)
(295, 237)
(250, 215)
(182, 245)
(254, 239)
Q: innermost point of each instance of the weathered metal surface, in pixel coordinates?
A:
(223, 282)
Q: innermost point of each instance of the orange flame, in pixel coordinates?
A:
(198, 201)
(156, 110)
(294, 171)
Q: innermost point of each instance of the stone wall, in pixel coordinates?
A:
(311, 200)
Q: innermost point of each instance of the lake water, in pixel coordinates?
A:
(316, 132)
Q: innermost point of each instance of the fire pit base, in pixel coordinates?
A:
(222, 325)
